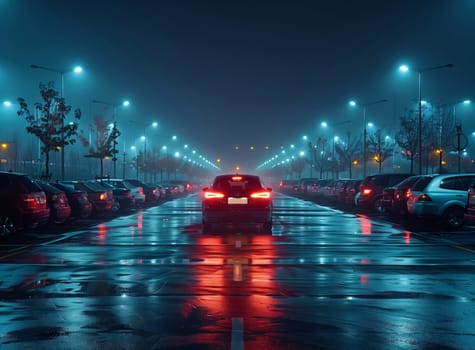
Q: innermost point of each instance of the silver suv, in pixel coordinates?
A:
(441, 196)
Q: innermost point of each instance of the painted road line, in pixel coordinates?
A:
(237, 341)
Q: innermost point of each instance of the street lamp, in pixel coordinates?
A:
(114, 127)
(365, 131)
(405, 69)
(61, 72)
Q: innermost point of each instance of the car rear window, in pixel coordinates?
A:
(421, 183)
(246, 184)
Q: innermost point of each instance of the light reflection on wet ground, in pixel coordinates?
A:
(324, 279)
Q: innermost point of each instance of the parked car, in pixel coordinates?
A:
(123, 199)
(289, 186)
(23, 203)
(152, 194)
(100, 198)
(351, 190)
(57, 202)
(307, 186)
(237, 199)
(394, 198)
(81, 207)
(442, 197)
(371, 189)
(136, 191)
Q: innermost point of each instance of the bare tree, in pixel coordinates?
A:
(348, 150)
(407, 136)
(381, 149)
(103, 144)
(48, 123)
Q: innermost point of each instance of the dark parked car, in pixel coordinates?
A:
(395, 197)
(123, 199)
(371, 189)
(237, 199)
(100, 198)
(22, 203)
(57, 202)
(81, 207)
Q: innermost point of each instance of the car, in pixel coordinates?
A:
(442, 197)
(23, 203)
(289, 186)
(81, 207)
(123, 199)
(136, 191)
(394, 199)
(371, 189)
(57, 201)
(236, 198)
(101, 199)
(152, 193)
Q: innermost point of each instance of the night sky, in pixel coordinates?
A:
(221, 74)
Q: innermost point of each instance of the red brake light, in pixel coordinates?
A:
(236, 178)
(424, 198)
(367, 191)
(210, 195)
(264, 195)
(103, 196)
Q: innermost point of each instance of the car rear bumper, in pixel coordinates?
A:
(235, 215)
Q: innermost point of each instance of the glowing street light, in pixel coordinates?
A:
(406, 69)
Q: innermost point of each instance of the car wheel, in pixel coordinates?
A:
(454, 217)
(7, 225)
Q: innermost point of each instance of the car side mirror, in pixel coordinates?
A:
(269, 189)
(205, 189)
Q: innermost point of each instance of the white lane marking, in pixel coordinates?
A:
(237, 342)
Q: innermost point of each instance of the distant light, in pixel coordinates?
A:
(174, 137)
(466, 102)
(154, 124)
(423, 102)
(77, 69)
(125, 103)
(164, 148)
(304, 137)
(142, 138)
(177, 154)
(370, 124)
(323, 124)
(403, 68)
(7, 103)
(352, 103)
(302, 153)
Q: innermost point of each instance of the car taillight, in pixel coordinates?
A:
(424, 198)
(154, 191)
(33, 201)
(367, 191)
(103, 196)
(264, 195)
(211, 195)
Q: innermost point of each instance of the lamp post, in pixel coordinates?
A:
(114, 128)
(405, 69)
(365, 131)
(61, 72)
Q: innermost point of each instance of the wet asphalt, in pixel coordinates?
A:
(325, 279)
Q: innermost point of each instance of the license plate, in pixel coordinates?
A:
(241, 200)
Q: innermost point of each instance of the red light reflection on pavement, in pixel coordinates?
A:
(239, 284)
(407, 237)
(365, 226)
